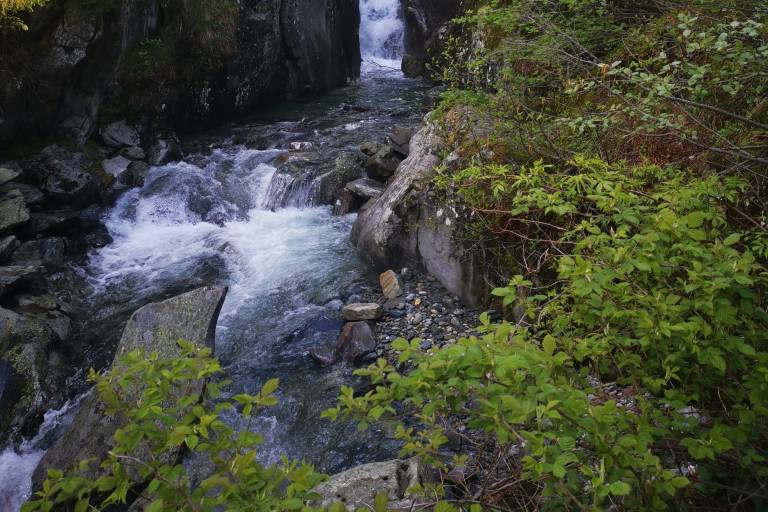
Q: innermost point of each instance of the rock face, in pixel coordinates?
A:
(154, 328)
(424, 21)
(405, 227)
(357, 488)
(282, 48)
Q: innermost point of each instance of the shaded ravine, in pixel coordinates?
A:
(226, 215)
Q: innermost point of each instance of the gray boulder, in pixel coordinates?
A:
(358, 487)
(48, 251)
(348, 167)
(120, 135)
(13, 211)
(382, 165)
(153, 328)
(133, 153)
(32, 195)
(407, 226)
(361, 311)
(65, 176)
(355, 341)
(164, 150)
(135, 175)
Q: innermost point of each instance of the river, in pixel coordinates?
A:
(225, 215)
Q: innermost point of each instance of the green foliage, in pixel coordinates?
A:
(12, 10)
(163, 417)
(655, 292)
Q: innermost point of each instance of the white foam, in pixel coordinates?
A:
(381, 30)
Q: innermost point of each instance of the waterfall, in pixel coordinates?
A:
(381, 32)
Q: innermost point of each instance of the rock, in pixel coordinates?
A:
(335, 304)
(54, 222)
(133, 153)
(7, 246)
(347, 167)
(48, 251)
(371, 148)
(362, 311)
(400, 138)
(347, 202)
(412, 66)
(65, 176)
(32, 195)
(357, 488)
(154, 328)
(115, 166)
(120, 135)
(164, 150)
(390, 284)
(408, 226)
(135, 175)
(356, 340)
(8, 174)
(12, 277)
(13, 211)
(383, 164)
(323, 356)
(366, 188)
(424, 20)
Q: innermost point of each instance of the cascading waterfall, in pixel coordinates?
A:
(381, 33)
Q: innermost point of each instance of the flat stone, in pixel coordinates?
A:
(390, 284)
(366, 188)
(153, 328)
(362, 311)
(13, 210)
(7, 174)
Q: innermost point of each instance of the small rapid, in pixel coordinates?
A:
(381, 33)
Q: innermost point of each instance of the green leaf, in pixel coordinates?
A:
(732, 239)
(619, 488)
(155, 506)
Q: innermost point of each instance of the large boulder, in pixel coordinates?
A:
(153, 328)
(66, 177)
(358, 487)
(14, 276)
(409, 225)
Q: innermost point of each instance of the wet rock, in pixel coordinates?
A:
(300, 146)
(32, 195)
(361, 311)
(356, 340)
(54, 222)
(358, 487)
(133, 153)
(7, 247)
(13, 211)
(120, 135)
(347, 202)
(383, 164)
(115, 166)
(48, 251)
(135, 174)
(13, 277)
(65, 176)
(324, 356)
(335, 304)
(347, 167)
(8, 173)
(153, 328)
(164, 150)
(371, 148)
(390, 284)
(366, 188)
